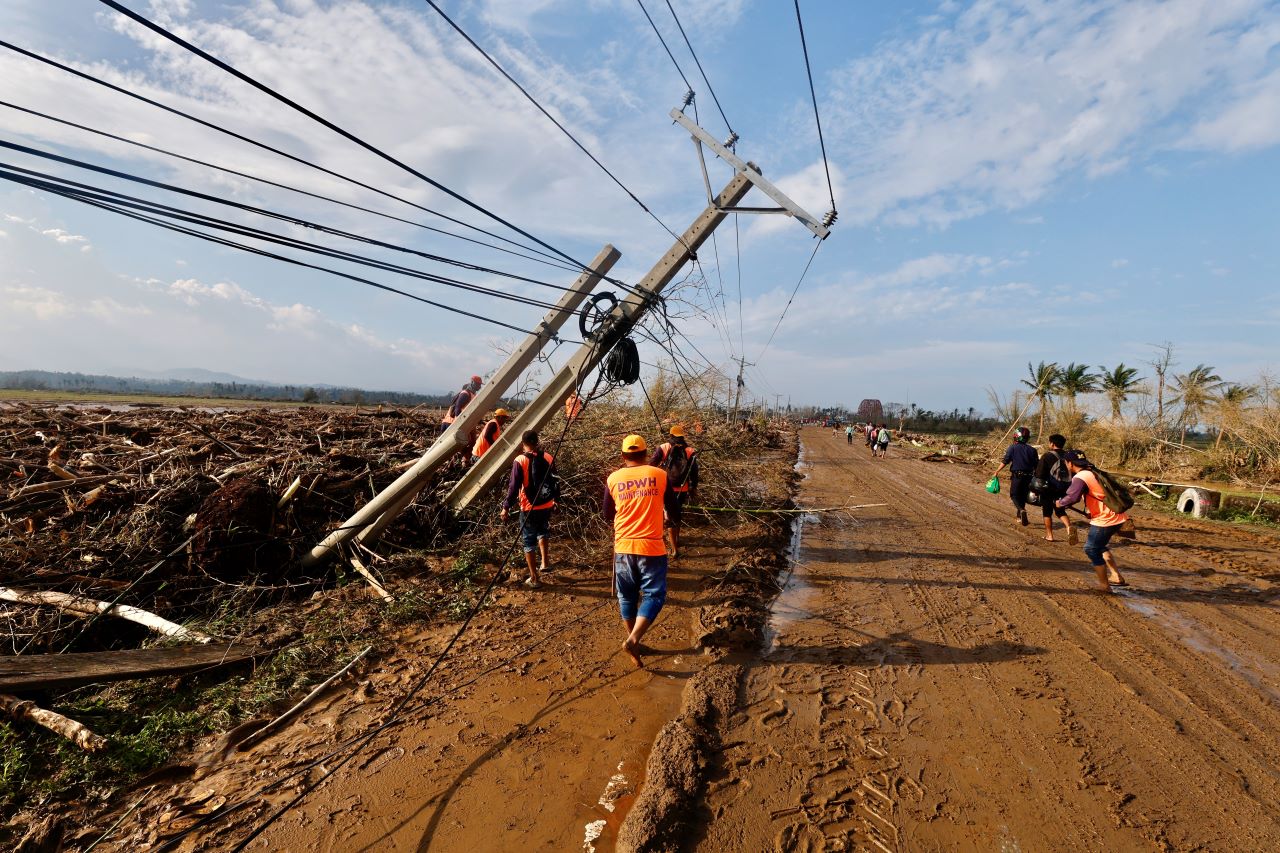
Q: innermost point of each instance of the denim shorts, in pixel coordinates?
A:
(535, 524)
(641, 585)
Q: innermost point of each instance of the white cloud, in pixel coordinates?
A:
(992, 108)
(39, 303)
(1119, 263)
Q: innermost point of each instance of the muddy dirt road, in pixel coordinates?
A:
(941, 679)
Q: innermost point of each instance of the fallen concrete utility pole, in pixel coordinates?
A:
(383, 508)
(570, 377)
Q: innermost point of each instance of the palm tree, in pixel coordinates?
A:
(1195, 390)
(1075, 379)
(1230, 401)
(1118, 383)
(1044, 379)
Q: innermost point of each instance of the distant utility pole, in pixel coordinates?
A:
(737, 393)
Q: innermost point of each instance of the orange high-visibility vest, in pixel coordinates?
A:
(449, 416)
(523, 461)
(665, 447)
(483, 442)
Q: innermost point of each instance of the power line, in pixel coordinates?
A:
(551, 118)
(294, 220)
(814, 97)
(82, 192)
(733, 136)
(786, 307)
(265, 147)
(658, 33)
(246, 175)
(346, 134)
(72, 194)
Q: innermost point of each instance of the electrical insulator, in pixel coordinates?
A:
(829, 219)
(688, 99)
(732, 140)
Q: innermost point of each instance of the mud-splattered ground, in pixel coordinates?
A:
(540, 735)
(942, 679)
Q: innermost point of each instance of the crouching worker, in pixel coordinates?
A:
(1103, 521)
(633, 501)
(533, 488)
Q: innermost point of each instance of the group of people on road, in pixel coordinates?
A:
(1056, 481)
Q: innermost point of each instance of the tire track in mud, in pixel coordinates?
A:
(942, 680)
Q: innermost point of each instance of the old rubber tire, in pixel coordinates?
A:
(1198, 503)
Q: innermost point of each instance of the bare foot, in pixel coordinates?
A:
(1104, 588)
(1048, 539)
(633, 651)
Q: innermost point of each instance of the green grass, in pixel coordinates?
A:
(149, 723)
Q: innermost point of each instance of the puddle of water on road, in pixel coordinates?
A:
(1256, 671)
(791, 604)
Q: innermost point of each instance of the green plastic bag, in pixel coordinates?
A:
(993, 485)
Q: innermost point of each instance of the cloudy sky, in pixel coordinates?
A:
(1016, 181)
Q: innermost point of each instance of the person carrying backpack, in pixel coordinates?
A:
(533, 487)
(680, 461)
(1105, 517)
(1053, 478)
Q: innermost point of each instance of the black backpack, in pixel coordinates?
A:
(1115, 495)
(678, 464)
(1058, 470)
(542, 478)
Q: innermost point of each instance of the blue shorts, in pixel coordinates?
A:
(641, 585)
(535, 524)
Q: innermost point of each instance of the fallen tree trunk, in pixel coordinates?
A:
(24, 709)
(90, 607)
(27, 673)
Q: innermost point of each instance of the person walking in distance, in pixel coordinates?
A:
(882, 441)
(1021, 458)
(460, 401)
(532, 487)
(489, 434)
(1052, 473)
(871, 437)
(1103, 521)
(680, 461)
(848, 433)
(633, 501)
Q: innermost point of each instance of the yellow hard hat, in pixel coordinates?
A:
(501, 413)
(677, 430)
(632, 443)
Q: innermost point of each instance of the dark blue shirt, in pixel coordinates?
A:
(1021, 458)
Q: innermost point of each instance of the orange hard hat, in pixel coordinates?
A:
(677, 430)
(501, 413)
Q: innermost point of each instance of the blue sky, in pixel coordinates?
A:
(1016, 182)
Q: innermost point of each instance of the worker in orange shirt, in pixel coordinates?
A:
(633, 501)
(490, 433)
(1104, 522)
(573, 407)
(460, 401)
(680, 461)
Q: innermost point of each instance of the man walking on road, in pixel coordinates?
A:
(680, 461)
(1052, 471)
(1103, 521)
(633, 501)
(1021, 458)
(532, 488)
(848, 433)
(882, 442)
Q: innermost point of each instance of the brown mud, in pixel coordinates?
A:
(939, 678)
(536, 733)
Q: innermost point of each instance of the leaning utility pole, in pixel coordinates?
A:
(382, 509)
(497, 460)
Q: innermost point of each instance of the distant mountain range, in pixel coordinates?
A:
(197, 382)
